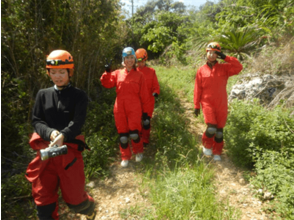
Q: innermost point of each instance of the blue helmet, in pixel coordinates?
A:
(128, 51)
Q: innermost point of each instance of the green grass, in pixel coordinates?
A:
(179, 182)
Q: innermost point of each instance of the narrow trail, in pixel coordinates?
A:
(119, 197)
(229, 182)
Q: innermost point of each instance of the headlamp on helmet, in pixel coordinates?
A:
(128, 51)
(141, 55)
(213, 46)
(60, 59)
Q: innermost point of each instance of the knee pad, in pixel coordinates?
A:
(210, 131)
(86, 208)
(45, 212)
(134, 135)
(146, 124)
(219, 135)
(123, 139)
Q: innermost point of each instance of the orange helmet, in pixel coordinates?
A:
(213, 46)
(141, 54)
(60, 59)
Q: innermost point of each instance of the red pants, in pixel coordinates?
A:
(126, 154)
(146, 135)
(127, 115)
(210, 143)
(71, 182)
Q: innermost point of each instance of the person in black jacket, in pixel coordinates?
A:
(58, 116)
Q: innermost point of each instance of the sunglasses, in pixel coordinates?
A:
(58, 62)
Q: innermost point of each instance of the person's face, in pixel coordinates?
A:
(211, 55)
(60, 77)
(141, 63)
(129, 61)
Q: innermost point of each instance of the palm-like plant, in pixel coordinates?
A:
(241, 43)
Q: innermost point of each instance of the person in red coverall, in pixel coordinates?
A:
(210, 91)
(58, 116)
(153, 90)
(132, 99)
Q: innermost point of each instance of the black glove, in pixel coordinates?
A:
(220, 55)
(197, 112)
(108, 66)
(155, 94)
(145, 121)
(145, 116)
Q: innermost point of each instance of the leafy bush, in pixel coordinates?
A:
(101, 135)
(251, 130)
(275, 174)
(16, 199)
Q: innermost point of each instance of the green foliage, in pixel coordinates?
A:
(180, 184)
(101, 136)
(241, 43)
(275, 175)
(30, 30)
(251, 131)
(165, 31)
(16, 197)
(172, 134)
(158, 25)
(103, 149)
(187, 194)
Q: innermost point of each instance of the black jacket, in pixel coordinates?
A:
(63, 110)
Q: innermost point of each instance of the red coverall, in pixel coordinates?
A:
(67, 171)
(210, 91)
(132, 99)
(152, 87)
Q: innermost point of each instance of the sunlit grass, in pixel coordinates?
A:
(178, 181)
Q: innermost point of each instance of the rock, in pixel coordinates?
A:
(269, 89)
(242, 181)
(91, 184)
(268, 196)
(127, 200)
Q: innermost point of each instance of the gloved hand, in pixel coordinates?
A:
(197, 112)
(108, 66)
(145, 116)
(221, 55)
(155, 94)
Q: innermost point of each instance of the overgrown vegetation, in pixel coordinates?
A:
(263, 140)
(258, 32)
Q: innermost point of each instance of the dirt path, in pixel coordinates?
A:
(229, 181)
(119, 193)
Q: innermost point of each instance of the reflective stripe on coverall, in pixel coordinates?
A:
(132, 99)
(210, 91)
(152, 87)
(65, 171)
